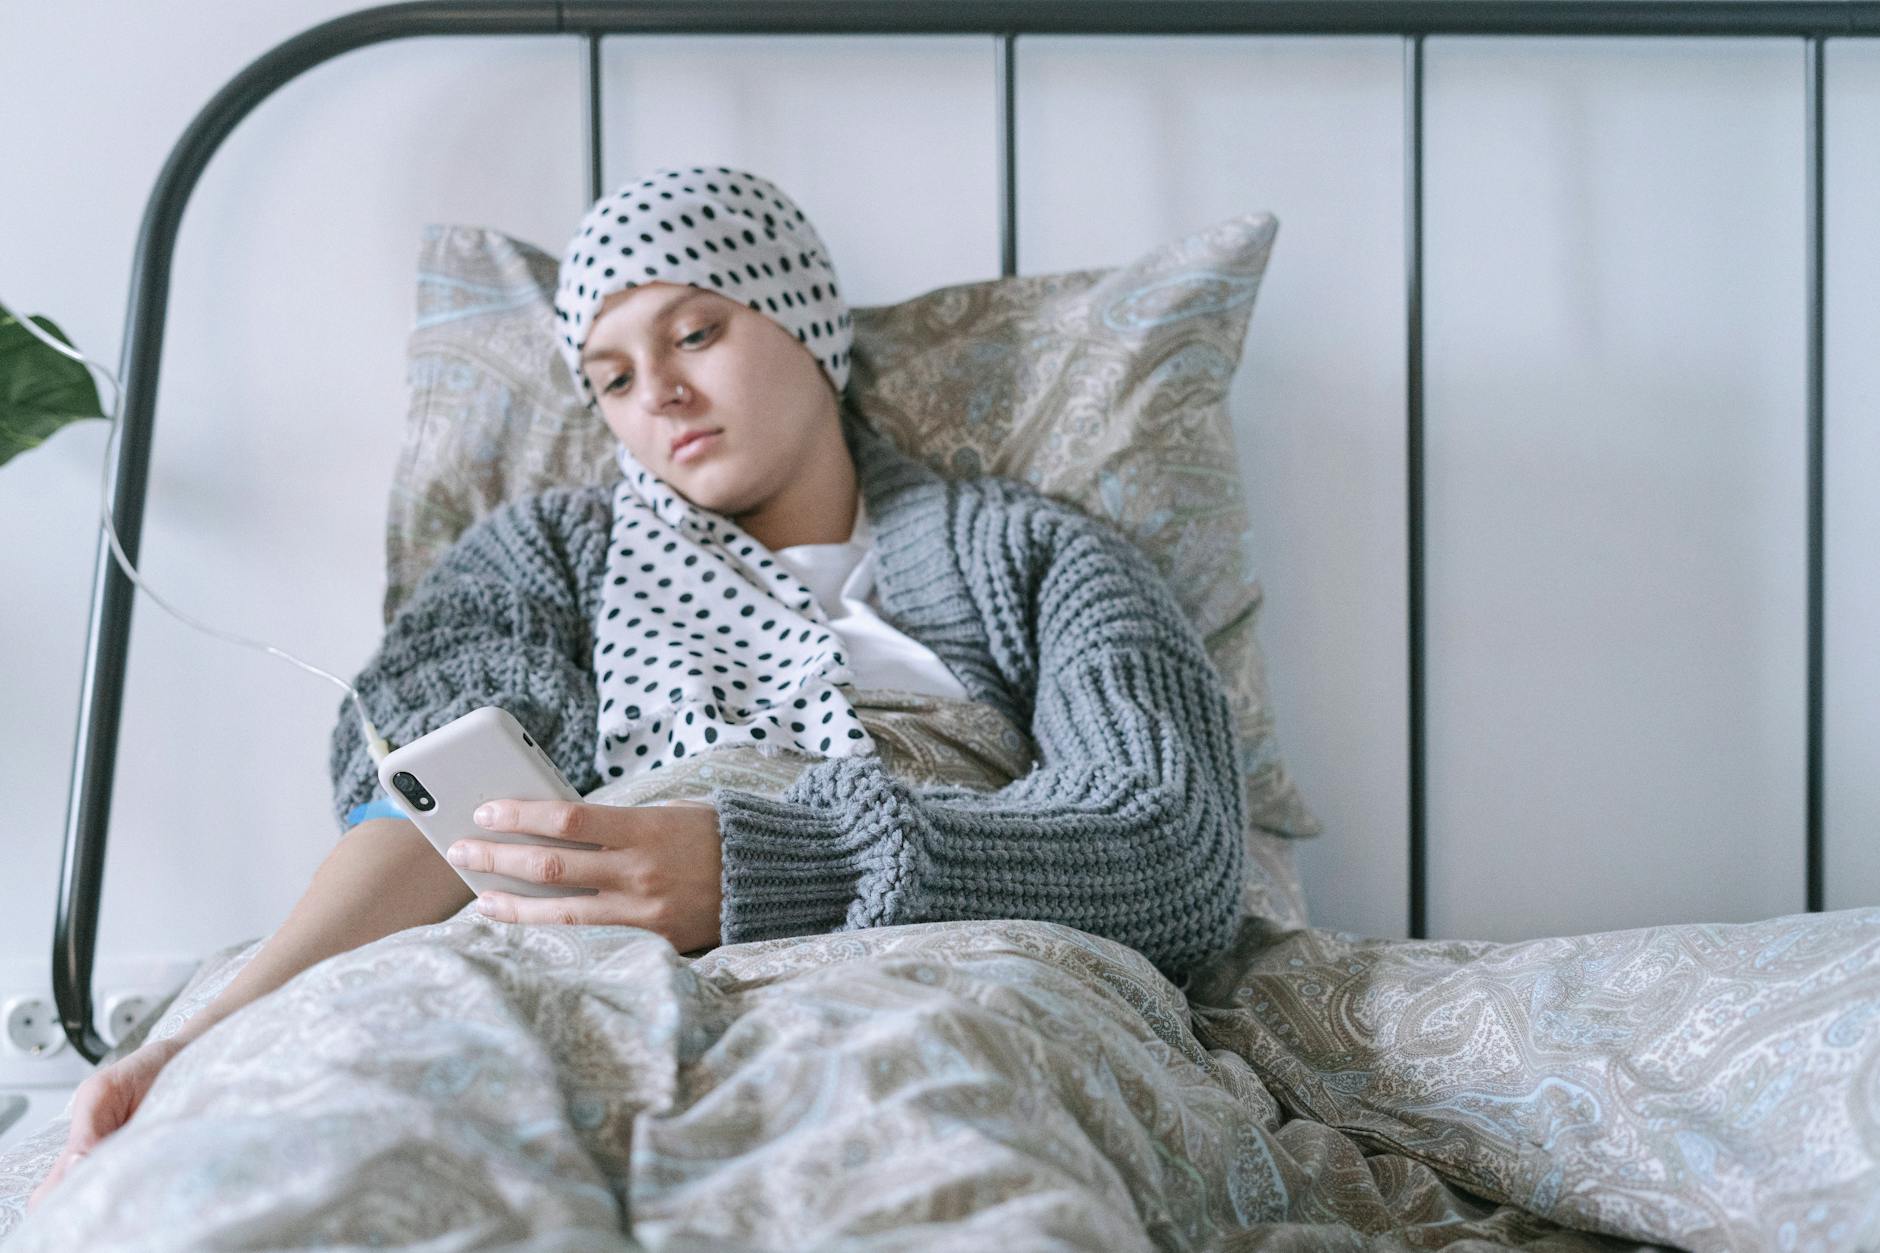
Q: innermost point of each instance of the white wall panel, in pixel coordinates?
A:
(1616, 492)
(886, 143)
(1852, 664)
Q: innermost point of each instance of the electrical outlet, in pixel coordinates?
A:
(30, 1027)
(122, 1013)
(152, 977)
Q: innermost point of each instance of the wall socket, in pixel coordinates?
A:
(34, 1052)
(30, 1027)
(123, 1011)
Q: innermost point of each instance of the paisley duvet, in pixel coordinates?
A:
(1003, 1085)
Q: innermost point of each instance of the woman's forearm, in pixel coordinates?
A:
(382, 877)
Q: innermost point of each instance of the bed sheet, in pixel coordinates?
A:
(1010, 1085)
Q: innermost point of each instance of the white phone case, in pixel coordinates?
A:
(484, 755)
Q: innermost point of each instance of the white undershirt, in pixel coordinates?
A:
(842, 578)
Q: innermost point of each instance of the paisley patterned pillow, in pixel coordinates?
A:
(1106, 388)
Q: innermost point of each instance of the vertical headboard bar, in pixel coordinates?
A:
(593, 117)
(1816, 90)
(1005, 71)
(1413, 470)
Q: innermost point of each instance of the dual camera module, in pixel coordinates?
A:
(414, 791)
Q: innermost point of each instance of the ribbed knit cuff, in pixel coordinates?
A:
(821, 857)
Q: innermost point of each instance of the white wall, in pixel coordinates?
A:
(1615, 393)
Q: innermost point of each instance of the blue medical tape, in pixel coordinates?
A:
(381, 806)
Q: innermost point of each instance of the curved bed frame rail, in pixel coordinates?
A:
(107, 641)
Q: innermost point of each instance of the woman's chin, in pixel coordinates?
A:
(707, 488)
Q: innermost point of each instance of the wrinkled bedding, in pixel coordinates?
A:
(1005, 1085)
(1008, 1085)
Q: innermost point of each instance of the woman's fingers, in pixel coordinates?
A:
(103, 1104)
(50, 1182)
(661, 872)
(609, 909)
(80, 1139)
(596, 826)
(538, 863)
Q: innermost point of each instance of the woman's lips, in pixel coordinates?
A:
(696, 446)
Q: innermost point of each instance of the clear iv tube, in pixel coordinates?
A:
(374, 741)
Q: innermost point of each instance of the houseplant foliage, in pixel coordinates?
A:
(40, 389)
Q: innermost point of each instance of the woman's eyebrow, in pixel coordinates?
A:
(665, 311)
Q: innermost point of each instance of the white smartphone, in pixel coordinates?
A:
(439, 779)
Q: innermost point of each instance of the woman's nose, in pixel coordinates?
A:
(664, 389)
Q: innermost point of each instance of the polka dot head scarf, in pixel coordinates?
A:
(728, 231)
(705, 640)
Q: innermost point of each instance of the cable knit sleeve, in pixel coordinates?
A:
(1131, 823)
(504, 617)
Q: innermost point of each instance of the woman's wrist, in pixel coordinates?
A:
(201, 1021)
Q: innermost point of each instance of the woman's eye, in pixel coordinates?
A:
(623, 378)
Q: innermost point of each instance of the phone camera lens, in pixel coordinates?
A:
(413, 790)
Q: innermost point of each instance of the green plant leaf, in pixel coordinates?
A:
(40, 389)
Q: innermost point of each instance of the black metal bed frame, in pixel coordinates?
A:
(107, 642)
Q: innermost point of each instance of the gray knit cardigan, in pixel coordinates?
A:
(1130, 824)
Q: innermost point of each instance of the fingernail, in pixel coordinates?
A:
(483, 905)
(458, 856)
(485, 815)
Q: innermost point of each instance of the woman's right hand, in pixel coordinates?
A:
(104, 1102)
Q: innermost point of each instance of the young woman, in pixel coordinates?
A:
(765, 560)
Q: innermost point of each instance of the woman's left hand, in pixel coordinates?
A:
(660, 866)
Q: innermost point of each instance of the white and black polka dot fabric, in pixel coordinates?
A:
(704, 640)
(725, 230)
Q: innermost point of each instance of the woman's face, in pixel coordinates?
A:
(769, 406)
